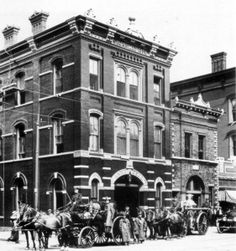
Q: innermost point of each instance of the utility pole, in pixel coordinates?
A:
(36, 171)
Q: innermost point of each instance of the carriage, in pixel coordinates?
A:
(197, 220)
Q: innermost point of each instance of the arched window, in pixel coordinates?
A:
(134, 139)
(94, 189)
(58, 145)
(120, 82)
(233, 145)
(57, 76)
(19, 190)
(20, 94)
(57, 195)
(94, 132)
(133, 91)
(121, 137)
(158, 195)
(20, 141)
(234, 109)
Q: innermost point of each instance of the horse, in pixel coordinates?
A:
(26, 221)
(177, 224)
(43, 224)
(161, 223)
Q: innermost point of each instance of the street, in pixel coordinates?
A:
(212, 241)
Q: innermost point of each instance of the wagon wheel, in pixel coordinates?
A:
(202, 223)
(115, 231)
(86, 237)
(219, 228)
(100, 238)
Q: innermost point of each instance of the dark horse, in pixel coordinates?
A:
(34, 222)
(26, 221)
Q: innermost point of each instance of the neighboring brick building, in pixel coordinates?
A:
(194, 150)
(83, 105)
(219, 89)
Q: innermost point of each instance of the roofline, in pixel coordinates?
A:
(201, 77)
(97, 22)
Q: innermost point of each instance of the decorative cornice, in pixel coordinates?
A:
(95, 47)
(32, 44)
(127, 56)
(73, 26)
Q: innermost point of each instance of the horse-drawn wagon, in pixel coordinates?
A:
(197, 220)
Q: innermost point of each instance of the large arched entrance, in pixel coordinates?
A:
(196, 187)
(127, 193)
(57, 195)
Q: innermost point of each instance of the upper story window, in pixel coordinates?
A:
(58, 144)
(201, 146)
(95, 117)
(20, 82)
(157, 90)
(94, 133)
(57, 76)
(134, 139)
(94, 73)
(128, 136)
(232, 109)
(187, 145)
(128, 82)
(157, 142)
(121, 137)
(1, 146)
(233, 145)
(133, 77)
(120, 82)
(20, 141)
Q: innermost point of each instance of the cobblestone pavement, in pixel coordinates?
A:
(212, 241)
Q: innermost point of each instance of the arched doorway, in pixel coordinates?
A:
(57, 192)
(127, 193)
(196, 187)
(19, 192)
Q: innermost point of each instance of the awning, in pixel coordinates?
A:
(227, 195)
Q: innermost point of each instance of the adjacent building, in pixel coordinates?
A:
(219, 89)
(194, 150)
(84, 105)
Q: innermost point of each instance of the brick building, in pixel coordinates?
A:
(83, 105)
(194, 150)
(219, 89)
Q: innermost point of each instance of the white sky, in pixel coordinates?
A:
(198, 28)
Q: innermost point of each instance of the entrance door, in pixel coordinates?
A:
(196, 187)
(127, 194)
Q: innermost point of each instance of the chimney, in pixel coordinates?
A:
(10, 34)
(218, 61)
(38, 21)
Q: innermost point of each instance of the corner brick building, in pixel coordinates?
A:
(83, 105)
(194, 150)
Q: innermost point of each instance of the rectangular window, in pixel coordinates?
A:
(94, 133)
(20, 135)
(187, 144)
(157, 142)
(157, 90)
(94, 73)
(201, 146)
(58, 136)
